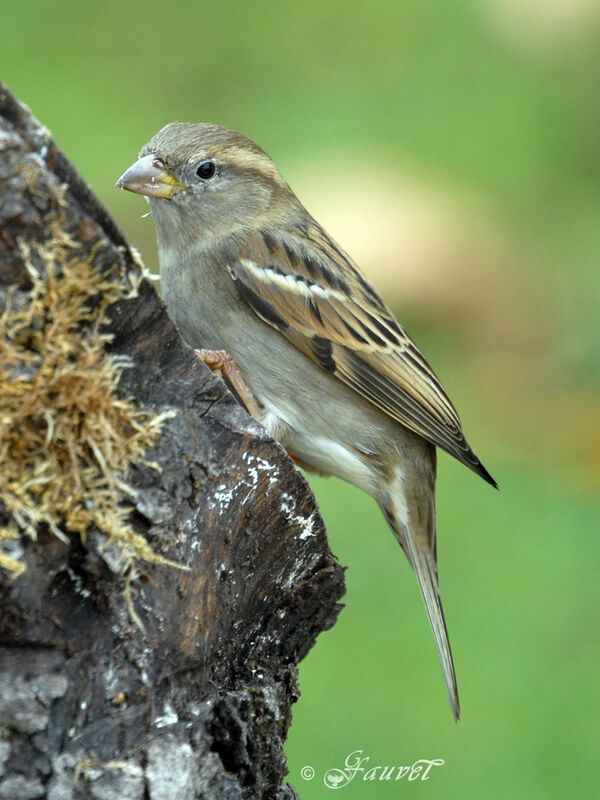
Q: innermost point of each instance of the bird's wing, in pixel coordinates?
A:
(310, 290)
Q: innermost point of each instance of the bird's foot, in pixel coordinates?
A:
(223, 364)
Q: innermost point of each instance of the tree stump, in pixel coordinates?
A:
(128, 673)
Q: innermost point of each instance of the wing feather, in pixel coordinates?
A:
(310, 290)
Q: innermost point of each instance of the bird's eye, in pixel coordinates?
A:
(206, 169)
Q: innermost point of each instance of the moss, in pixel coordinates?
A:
(67, 435)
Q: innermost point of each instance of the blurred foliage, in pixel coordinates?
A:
(495, 103)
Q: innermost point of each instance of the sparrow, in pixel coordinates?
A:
(254, 282)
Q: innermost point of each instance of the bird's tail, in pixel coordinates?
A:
(426, 571)
(414, 526)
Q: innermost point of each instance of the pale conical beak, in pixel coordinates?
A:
(149, 177)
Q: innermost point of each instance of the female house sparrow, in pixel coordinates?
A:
(246, 269)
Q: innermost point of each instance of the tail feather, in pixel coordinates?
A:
(410, 510)
(426, 572)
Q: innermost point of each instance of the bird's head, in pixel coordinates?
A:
(202, 179)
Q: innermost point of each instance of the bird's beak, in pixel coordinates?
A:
(149, 177)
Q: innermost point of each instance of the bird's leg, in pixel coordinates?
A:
(222, 363)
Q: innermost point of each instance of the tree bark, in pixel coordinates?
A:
(158, 683)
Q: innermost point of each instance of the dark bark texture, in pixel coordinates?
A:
(197, 703)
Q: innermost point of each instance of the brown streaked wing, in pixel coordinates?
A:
(314, 295)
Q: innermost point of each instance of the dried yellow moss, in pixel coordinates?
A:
(67, 437)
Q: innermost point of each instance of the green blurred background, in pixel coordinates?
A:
(453, 148)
